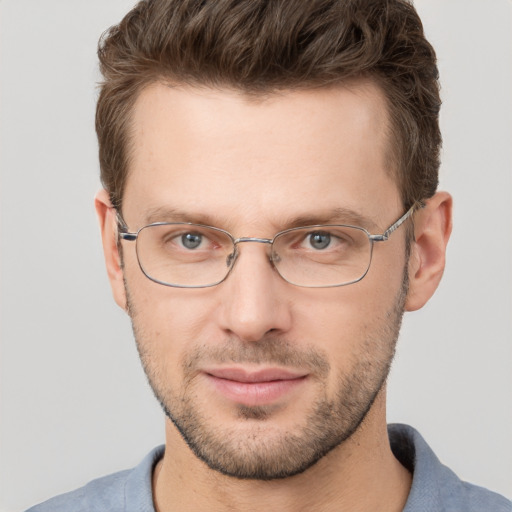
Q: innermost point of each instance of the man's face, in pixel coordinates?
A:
(261, 377)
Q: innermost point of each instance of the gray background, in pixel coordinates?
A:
(74, 402)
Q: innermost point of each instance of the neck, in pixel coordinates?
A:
(361, 474)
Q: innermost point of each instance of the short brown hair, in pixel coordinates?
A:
(261, 46)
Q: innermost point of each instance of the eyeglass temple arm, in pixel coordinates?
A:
(123, 229)
(396, 225)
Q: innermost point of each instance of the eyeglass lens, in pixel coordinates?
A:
(188, 255)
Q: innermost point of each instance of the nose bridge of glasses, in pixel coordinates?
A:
(244, 239)
(230, 260)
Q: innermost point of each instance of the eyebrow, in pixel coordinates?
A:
(338, 215)
(169, 214)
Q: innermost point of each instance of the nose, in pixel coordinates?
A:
(255, 300)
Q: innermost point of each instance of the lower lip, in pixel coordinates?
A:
(255, 393)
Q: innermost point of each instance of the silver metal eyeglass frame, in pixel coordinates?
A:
(125, 234)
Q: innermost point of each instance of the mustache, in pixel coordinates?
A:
(270, 350)
(267, 351)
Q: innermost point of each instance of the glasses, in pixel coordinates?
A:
(187, 255)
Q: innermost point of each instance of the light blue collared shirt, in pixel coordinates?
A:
(435, 488)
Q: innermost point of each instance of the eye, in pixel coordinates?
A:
(319, 240)
(191, 240)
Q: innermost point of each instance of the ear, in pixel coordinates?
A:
(432, 228)
(108, 226)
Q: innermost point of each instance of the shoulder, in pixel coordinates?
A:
(477, 499)
(435, 487)
(106, 493)
(123, 491)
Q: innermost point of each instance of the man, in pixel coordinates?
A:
(269, 213)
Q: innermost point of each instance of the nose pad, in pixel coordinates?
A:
(274, 258)
(231, 258)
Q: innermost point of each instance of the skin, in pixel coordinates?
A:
(250, 166)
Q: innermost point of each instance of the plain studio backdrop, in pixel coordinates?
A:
(75, 404)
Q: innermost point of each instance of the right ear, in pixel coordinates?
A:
(108, 225)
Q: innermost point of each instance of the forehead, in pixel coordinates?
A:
(220, 153)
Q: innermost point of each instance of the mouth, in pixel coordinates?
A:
(254, 387)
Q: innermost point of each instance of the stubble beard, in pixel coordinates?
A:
(258, 450)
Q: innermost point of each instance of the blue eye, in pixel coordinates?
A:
(320, 240)
(191, 240)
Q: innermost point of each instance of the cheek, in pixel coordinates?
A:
(167, 321)
(336, 312)
(345, 321)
